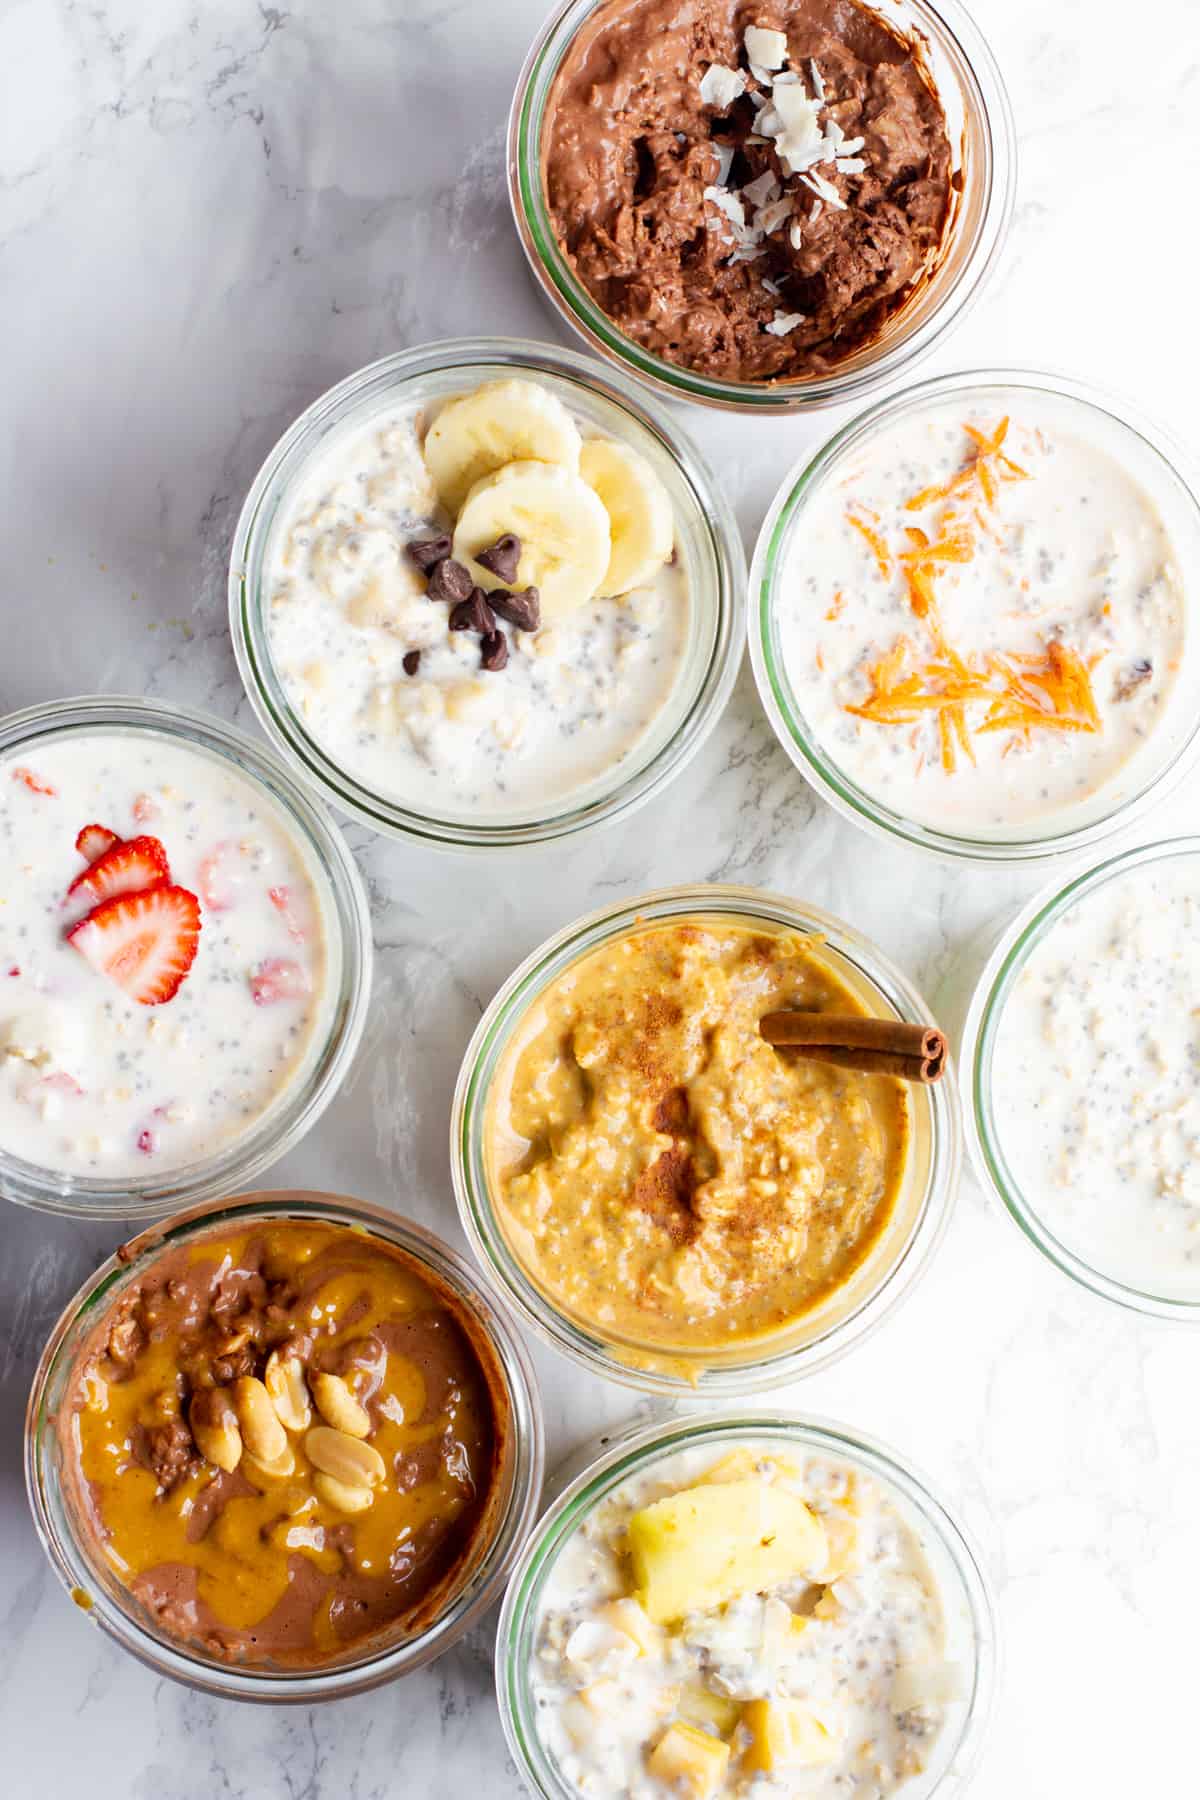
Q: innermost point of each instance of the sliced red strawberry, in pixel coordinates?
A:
(131, 864)
(220, 878)
(144, 809)
(144, 942)
(276, 979)
(281, 900)
(94, 840)
(33, 782)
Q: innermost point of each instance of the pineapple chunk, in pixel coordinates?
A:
(692, 1758)
(700, 1707)
(627, 1616)
(699, 1548)
(785, 1732)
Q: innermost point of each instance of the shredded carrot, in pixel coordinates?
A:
(878, 548)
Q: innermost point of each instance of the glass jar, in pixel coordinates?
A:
(983, 144)
(707, 541)
(110, 1606)
(1003, 970)
(1099, 419)
(846, 1316)
(348, 949)
(970, 1623)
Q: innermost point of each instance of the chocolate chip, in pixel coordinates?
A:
(493, 651)
(427, 553)
(412, 661)
(522, 609)
(502, 559)
(473, 614)
(449, 581)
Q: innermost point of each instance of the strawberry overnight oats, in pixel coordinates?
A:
(163, 955)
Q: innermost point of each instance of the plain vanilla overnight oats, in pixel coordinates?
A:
(484, 600)
(180, 970)
(760, 1607)
(663, 1193)
(1086, 1044)
(974, 618)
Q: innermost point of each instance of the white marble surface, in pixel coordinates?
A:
(208, 214)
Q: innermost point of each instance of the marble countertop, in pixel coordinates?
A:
(208, 215)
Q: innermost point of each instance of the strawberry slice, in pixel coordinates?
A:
(130, 864)
(278, 978)
(94, 840)
(144, 942)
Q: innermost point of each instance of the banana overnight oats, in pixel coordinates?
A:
(478, 606)
(282, 1443)
(664, 1176)
(981, 611)
(755, 1620)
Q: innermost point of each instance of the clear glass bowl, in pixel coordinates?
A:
(1100, 419)
(347, 924)
(982, 137)
(846, 1316)
(971, 1639)
(109, 1605)
(707, 538)
(1003, 970)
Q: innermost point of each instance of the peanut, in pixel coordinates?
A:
(264, 1436)
(215, 1428)
(340, 1495)
(284, 1381)
(338, 1406)
(346, 1458)
(277, 1469)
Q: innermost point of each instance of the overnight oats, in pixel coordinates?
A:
(283, 1447)
(974, 619)
(173, 958)
(735, 1614)
(1088, 1076)
(656, 1174)
(483, 603)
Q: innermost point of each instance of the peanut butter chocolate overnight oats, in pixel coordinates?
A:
(283, 1443)
(662, 1171)
(748, 188)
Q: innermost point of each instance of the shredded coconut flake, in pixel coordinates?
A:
(724, 163)
(763, 76)
(728, 202)
(818, 84)
(769, 218)
(783, 322)
(720, 86)
(763, 188)
(795, 236)
(849, 165)
(772, 287)
(814, 212)
(766, 46)
(824, 190)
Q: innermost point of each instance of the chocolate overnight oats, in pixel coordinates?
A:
(748, 188)
(284, 1442)
(662, 1172)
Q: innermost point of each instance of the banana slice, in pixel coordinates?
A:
(639, 512)
(501, 422)
(562, 525)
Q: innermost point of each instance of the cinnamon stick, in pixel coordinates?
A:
(854, 1041)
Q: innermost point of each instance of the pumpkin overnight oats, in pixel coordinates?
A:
(663, 1174)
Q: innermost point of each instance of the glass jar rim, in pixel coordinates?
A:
(512, 1525)
(294, 1112)
(638, 1447)
(992, 991)
(944, 20)
(774, 688)
(725, 573)
(667, 1369)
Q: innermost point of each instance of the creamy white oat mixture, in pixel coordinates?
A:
(1051, 542)
(860, 1644)
(345, 605)
(1096, 1078)
(91, 1082)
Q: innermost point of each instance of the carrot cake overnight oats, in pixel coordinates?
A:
(663, 1173)
(163, 963)
(1095, 1074)
(282, 1441)
(755, 1619)
(981, 612)
(478, 606)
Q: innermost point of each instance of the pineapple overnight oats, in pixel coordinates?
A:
(664, 1176)
(981, 612)
(479, 606)
(757, 1621)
